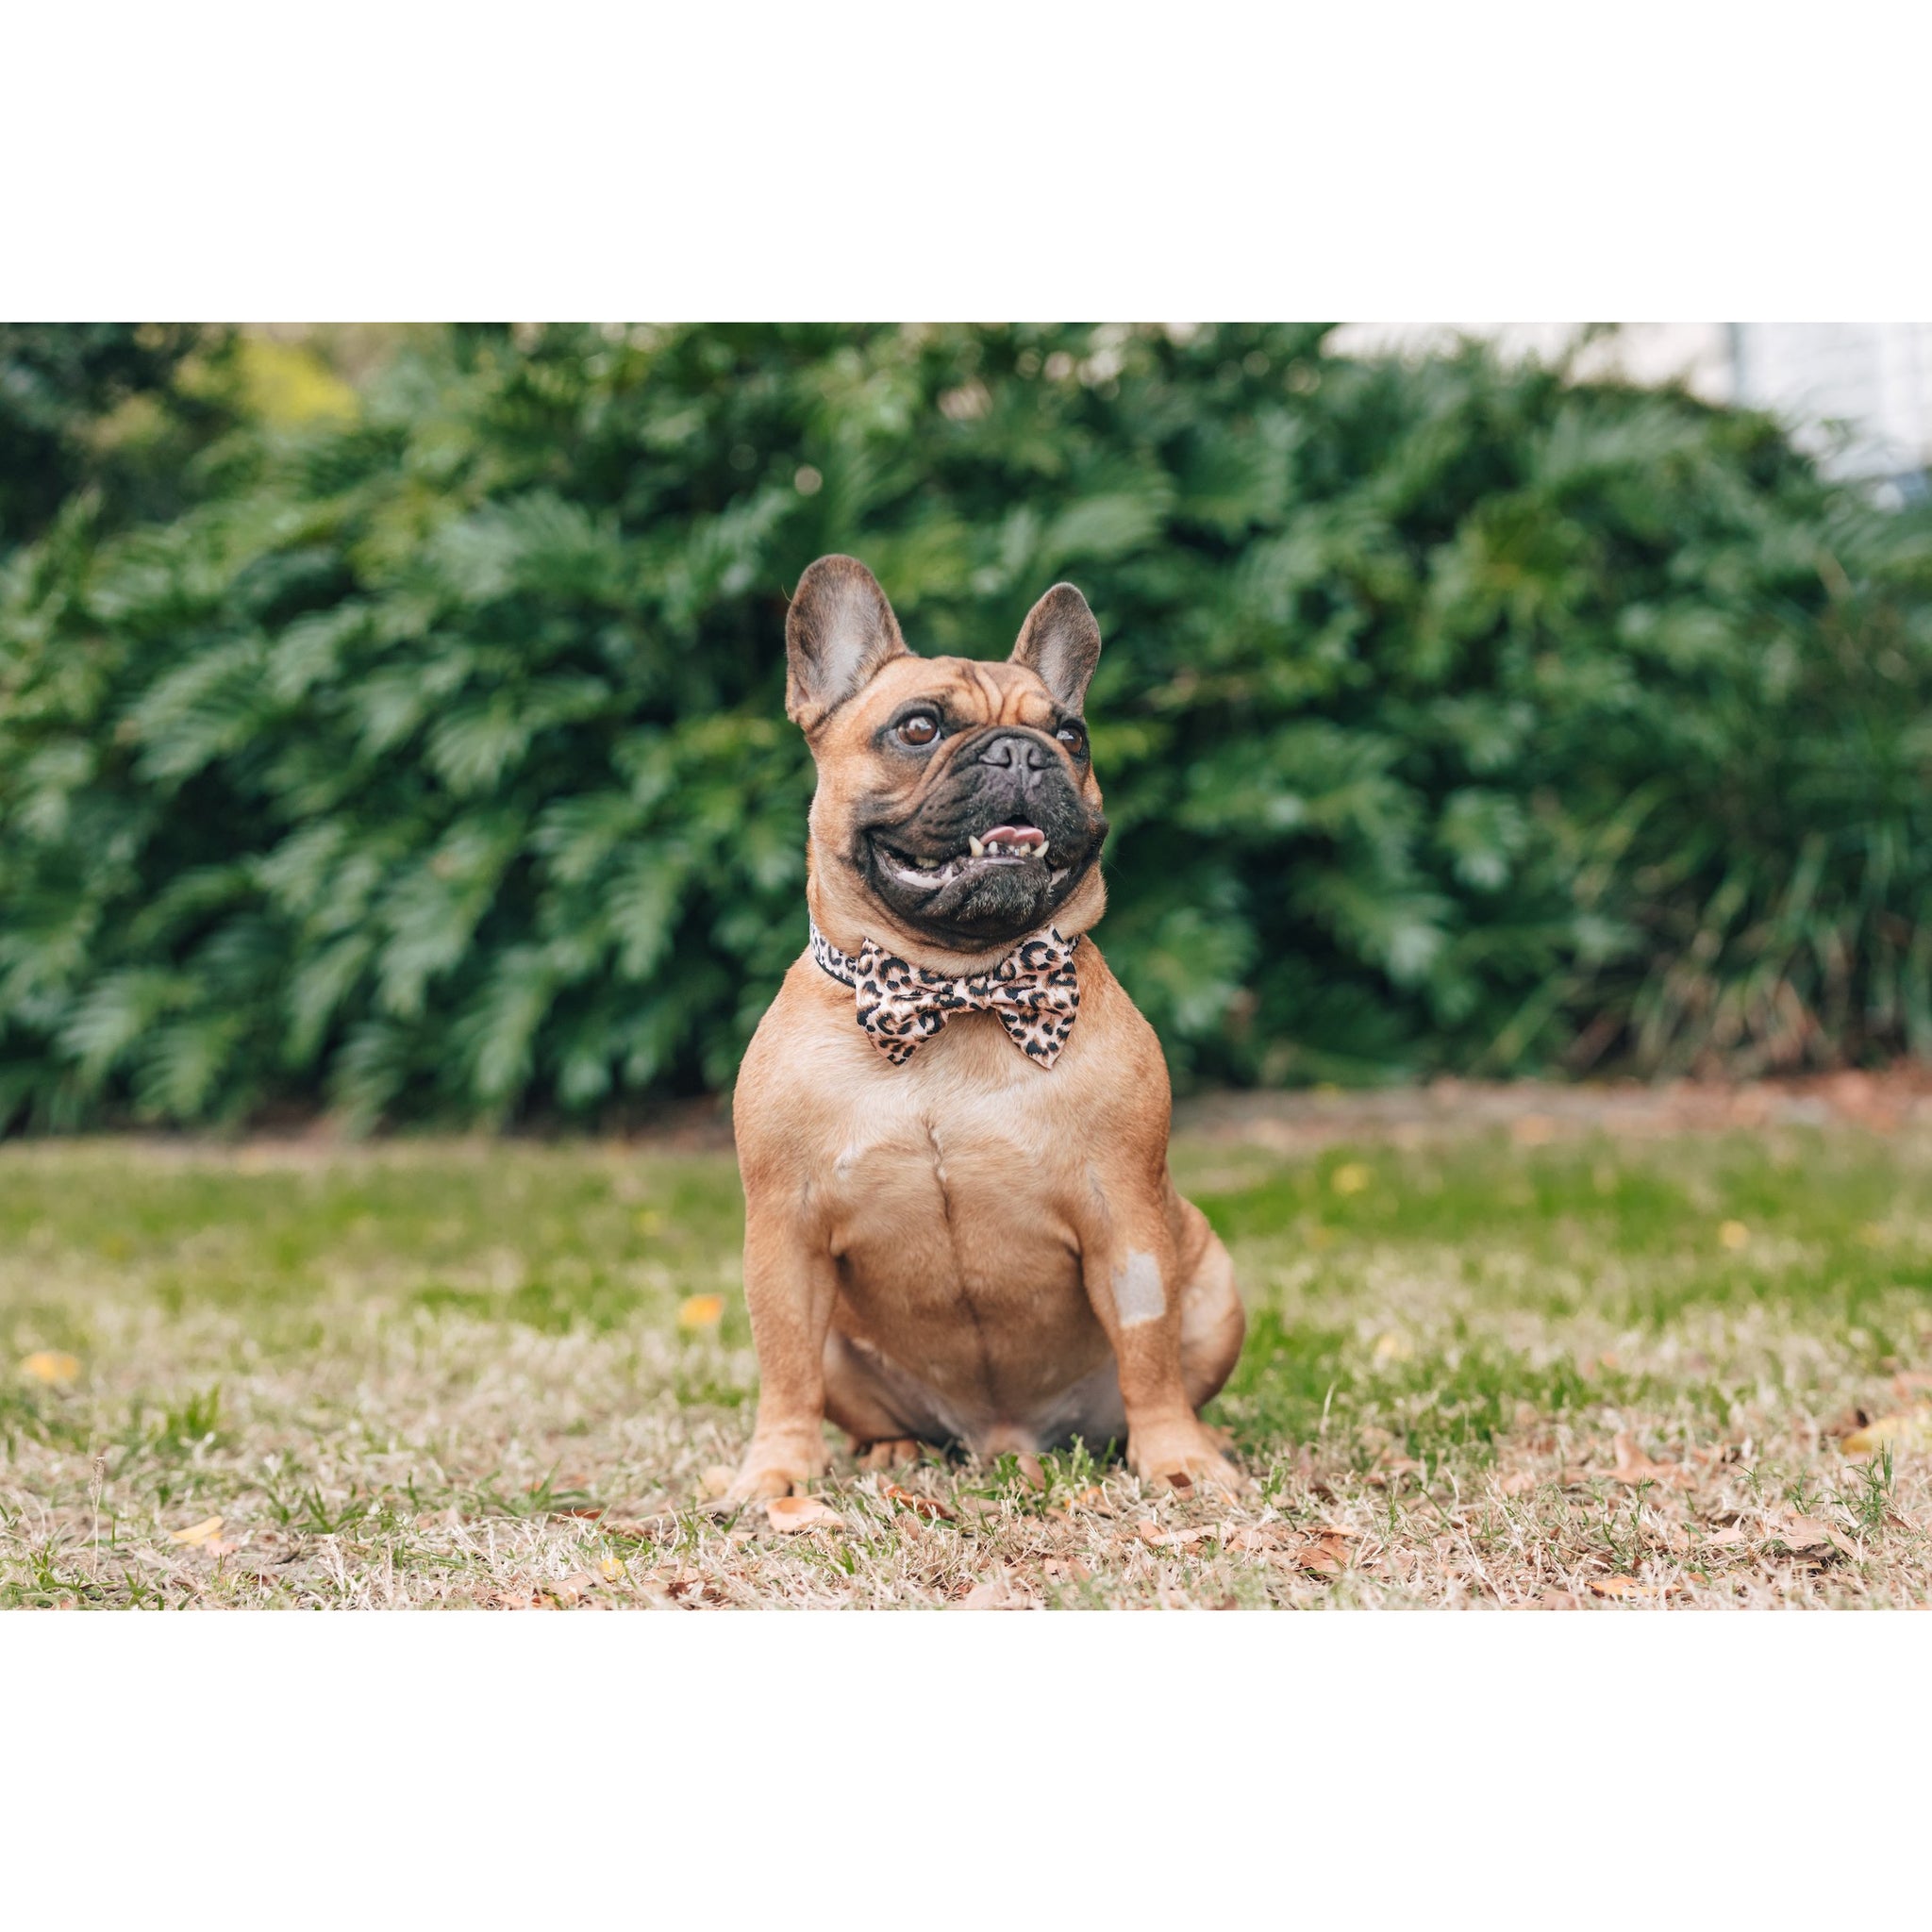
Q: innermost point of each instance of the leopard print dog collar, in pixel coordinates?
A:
(1035, 990)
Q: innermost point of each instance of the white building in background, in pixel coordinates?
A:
(1861, 391)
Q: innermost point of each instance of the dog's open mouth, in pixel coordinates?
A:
(998, 845)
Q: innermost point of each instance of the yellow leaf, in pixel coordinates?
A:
(1391, 1347)
(288, 383)
(51, 1365)
(613, 1569)
(1351, 1178)
(1734, 1233)
(1913, 1431)
(701, 1311)
(204, 1531)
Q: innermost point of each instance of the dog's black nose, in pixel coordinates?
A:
(1020, 752)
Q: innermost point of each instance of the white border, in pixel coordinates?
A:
(1598, 1769)
(415, 160)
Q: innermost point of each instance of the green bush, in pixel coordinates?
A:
(117, 410)
(1452, 715)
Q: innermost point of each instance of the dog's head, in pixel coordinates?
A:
(957, 809)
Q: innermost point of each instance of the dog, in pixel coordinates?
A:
(952, 1122)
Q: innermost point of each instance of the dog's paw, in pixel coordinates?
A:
(1182, 1455)
(776, 1465)
(887, 1455)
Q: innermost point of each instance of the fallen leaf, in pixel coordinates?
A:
(1804, 1534)
(791, 1513)
(611, 1569)
(1351, 1178)
(1092, 1497)
(50, 1365)
(1913, 1430)
(1327, 1555)
(669, 1582)
(1031, 1471)
(1248, 1539)
(1519, 1482)
(1625, 1587)
(568, 1590)
(1555, 1599)
(1733, 1235)
(204, 1531)
(1634, 1466)
(1726, 1538)
(995, 1594)
(928, 1506)
(701, 1311)
(1170, 1538)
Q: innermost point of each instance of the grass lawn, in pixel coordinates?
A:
(1547, 1368)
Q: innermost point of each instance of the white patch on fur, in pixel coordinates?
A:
(1138, 1295)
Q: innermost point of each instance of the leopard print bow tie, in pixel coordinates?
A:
(1035, 990)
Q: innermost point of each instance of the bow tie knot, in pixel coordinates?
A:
(1035, 990)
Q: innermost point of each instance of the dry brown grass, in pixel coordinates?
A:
(1548, 1371)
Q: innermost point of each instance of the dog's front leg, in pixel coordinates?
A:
(1132, 1279)
(789, 1284)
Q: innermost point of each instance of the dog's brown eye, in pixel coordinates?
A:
(921, 729)
(1073, 736)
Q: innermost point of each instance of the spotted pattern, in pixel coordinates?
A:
(1035, 990)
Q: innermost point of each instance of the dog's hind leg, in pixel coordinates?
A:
(1214, 1322)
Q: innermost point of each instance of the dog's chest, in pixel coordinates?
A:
(946, 1180)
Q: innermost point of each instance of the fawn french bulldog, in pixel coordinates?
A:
(952, 1123)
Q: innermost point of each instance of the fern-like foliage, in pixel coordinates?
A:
(1452, 715)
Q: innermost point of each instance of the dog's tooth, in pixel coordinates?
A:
(926, 864)
(973, 846)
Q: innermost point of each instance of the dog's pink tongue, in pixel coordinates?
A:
(1013, 835)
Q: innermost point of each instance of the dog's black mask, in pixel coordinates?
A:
(924, 867)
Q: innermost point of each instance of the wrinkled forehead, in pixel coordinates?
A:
(964, 691)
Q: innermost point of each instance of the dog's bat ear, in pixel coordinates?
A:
(838, 631)
(1060, 643)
